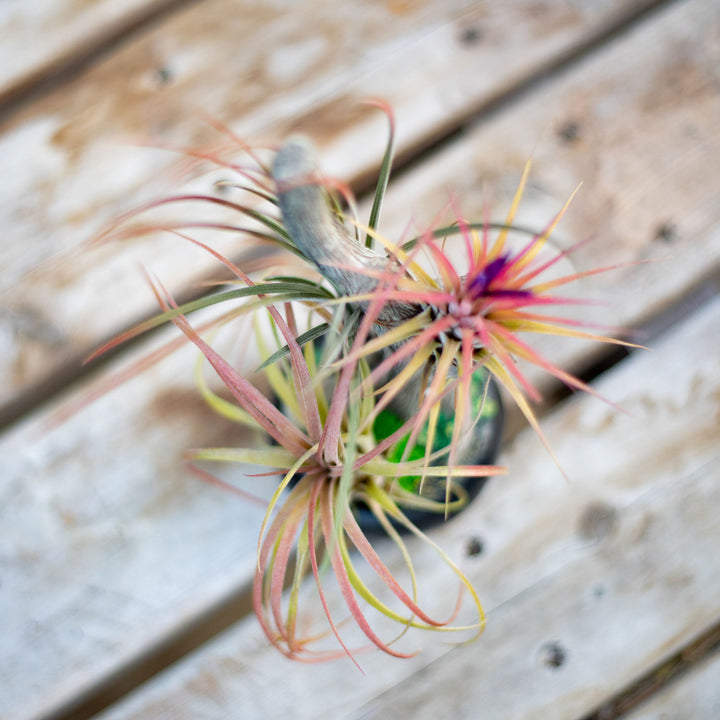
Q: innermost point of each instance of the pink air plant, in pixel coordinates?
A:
(440, 325)
(380, 325)
(470, 314)
(328, 466)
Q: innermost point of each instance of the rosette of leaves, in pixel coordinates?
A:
(444, 323)
(388, 324)
(324, 445)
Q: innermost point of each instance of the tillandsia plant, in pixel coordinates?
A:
(331, 460)
(381, 324)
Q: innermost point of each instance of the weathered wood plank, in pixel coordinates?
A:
(589, 584)
(695, 695)
(68, 167)
(37, 40)
(109, 545)
(124, 445)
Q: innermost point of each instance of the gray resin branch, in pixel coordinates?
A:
(320, 236)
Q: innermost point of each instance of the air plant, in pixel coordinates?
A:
(328, 466)
(380, 325)
(338, 460)
(450, 322)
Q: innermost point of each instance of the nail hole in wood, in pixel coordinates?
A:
(163, 76)
(471, 36)
(666, 232)
(597, 521)
(569, 132)
(474, 547)
(553, 655)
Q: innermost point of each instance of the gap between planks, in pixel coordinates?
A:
(669, 672)
(412, 156)
(154, 660)
(694, 694)
(74, 370)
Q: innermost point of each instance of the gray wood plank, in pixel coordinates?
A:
(70, 164)
(39, 39)
(588, 584)
(91, 490)
(108, 545)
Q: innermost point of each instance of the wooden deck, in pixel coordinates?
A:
(124, 582)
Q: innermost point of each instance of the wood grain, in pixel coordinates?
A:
(71, 165)
(40, 41)
(108, 548)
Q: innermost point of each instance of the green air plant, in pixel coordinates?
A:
(380, 325)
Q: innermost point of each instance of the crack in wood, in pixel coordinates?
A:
(669, 671)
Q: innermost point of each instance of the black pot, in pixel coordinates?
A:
(481, 448)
